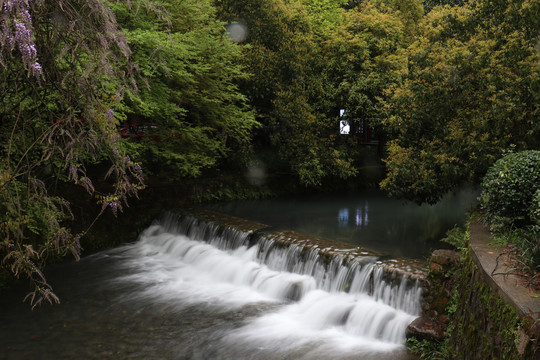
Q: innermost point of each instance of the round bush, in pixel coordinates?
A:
(535, 208)
(509, 187)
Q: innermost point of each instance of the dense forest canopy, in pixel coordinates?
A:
(447, 86)
(470, 91)
(188, 87)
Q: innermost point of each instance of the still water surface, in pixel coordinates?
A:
(368, 219)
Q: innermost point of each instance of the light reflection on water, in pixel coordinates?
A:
(369, 219)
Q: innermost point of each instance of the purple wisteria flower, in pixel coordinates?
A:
(16, 33)
(36, 69)
(110, 115)
(114, 207)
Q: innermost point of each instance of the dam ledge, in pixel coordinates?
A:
(395, 270)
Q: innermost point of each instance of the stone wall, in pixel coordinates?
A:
(482, 325)
(436, 297)
(465, 315)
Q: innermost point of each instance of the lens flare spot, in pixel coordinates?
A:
(237, 32)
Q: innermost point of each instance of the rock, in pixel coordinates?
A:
(443, 301)
(424, 329)
(435, 268)
(444, 319)
(521, 342)
(444, 257)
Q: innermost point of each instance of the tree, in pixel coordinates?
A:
(283, 53)
(189, 90)
(365, 59)
(60, 78)
(471, 90)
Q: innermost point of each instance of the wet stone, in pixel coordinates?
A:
(424, 329)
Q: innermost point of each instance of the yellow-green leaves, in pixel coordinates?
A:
(470, 91)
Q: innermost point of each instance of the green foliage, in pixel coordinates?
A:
(364, 60)
(470, 89)
(534, 209)
(509, 187)
(189, 87)
(286, 54)
(510, 199)
(483, 323)
(528, 247)
(457, 237)
(311, 58)
(324, 14)
(525, 243)
(57, 130)
(427, 349)
(506, 237)
(430, 4)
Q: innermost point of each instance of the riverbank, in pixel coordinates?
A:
(476, 308)
(502, 279)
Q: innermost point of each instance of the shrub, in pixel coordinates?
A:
(457, 237)
(535, 208)
(509, 187)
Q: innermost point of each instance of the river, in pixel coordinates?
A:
(171, 295)
(368, 219)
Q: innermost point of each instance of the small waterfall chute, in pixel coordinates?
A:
(321, 298)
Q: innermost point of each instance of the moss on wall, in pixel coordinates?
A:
(482, 326)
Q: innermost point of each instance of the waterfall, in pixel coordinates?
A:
(206, 263)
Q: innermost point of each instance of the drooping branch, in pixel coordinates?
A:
(63, 66)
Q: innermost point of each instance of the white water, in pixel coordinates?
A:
(316, 310)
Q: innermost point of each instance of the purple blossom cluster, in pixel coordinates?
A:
(7, 40)
(114, 207)
(110, 115)
(76, 248)
(137, 171)
(16, 33)
(61, 237)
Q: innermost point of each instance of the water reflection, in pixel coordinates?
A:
(361, 218)
(343, 217)
(369, 219)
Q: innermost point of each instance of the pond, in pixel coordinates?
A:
(368, 219)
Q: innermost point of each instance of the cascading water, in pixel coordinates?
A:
(317, 306)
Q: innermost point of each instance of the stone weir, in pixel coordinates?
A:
(332, 253)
